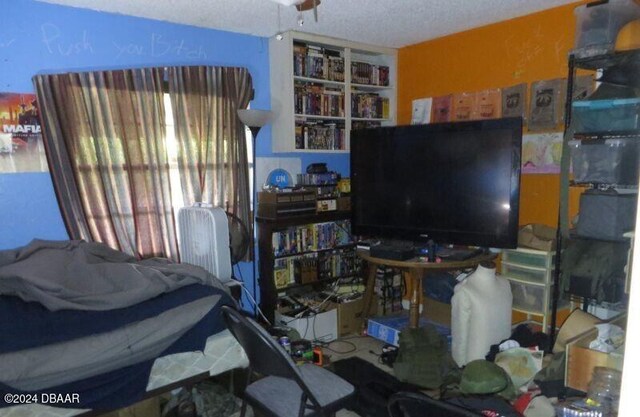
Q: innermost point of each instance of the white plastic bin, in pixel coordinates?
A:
(528, 298)
(598, 23)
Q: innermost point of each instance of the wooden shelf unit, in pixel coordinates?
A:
(269, 294)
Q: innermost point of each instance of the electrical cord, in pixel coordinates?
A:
(255, 303)
(327, 346)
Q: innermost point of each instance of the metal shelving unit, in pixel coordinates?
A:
(592, 63)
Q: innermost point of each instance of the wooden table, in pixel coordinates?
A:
(413, 270)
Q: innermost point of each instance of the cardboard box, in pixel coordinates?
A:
(388, 328)
(537, 236)
(580, 360)
(321, 326)
(350, 315)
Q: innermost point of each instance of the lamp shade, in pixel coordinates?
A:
(254, 117)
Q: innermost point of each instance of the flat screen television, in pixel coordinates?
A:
(455, 183)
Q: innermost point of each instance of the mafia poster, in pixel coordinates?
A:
(21, 148)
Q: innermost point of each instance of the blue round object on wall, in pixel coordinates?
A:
(279, 178)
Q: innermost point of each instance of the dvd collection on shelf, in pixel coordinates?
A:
(340, 263)
(369, 106)
(320, 134)
(311, 238)
(314, 251)
(318, 100)
(364, 124)
(311, 267)
(325, 178)
(369, 74)
(317, 62)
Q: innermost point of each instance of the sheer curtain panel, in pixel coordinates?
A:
(212, 146)
(105, 137)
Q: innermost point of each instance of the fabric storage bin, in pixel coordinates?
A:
(606, 215)
(528, 298)
(598, 24)
(615, 115)
(523, 273)
(608, 161)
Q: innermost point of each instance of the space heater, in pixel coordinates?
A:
(204, 239)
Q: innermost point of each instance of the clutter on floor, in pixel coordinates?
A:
(498, 371)
(205, 399)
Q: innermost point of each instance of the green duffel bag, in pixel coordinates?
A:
(423, 358)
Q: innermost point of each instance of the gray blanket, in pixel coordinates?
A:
(60, 363)
(90, 276)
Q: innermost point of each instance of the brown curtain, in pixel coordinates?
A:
(212, 147)
(104, 133)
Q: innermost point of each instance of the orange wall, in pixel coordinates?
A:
(522, 50)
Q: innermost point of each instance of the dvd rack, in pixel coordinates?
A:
(315, 61)
(313, 99)
(301, 254)
(313, 81)
(316, 266)
(369, 106)
(369, 74)
(365, 124)
(326, 178)
(320, 134)
(311, 237)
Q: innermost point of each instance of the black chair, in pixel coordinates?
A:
(412, 404)
(285, 390)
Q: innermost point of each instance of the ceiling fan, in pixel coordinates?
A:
(302, 5)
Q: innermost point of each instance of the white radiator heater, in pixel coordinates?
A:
(204, 239)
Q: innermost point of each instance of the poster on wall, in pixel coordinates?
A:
(488, 104)
(21, 147)
(514, 101)
(546, 104)
(541, 153)
(441, 109)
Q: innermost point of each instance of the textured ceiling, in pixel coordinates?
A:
(393, 23)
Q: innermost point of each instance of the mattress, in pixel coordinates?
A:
(221, 353)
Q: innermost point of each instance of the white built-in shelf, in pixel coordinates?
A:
(283, 81)
(368, 119)
(372, 87)
(318, 81)
(313, 116)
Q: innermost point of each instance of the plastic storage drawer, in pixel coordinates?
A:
(528, 298)
(598, 23)
(520, 257)
(536, 276)
(609, 161)
(617, 115)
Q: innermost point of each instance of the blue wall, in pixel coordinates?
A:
(43, 38)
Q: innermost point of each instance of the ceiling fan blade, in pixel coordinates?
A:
(288, 2)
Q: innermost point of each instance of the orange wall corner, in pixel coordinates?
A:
(520, 50)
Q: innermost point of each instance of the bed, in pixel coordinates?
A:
(102, 330)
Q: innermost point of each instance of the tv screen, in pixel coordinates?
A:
(456, 183)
